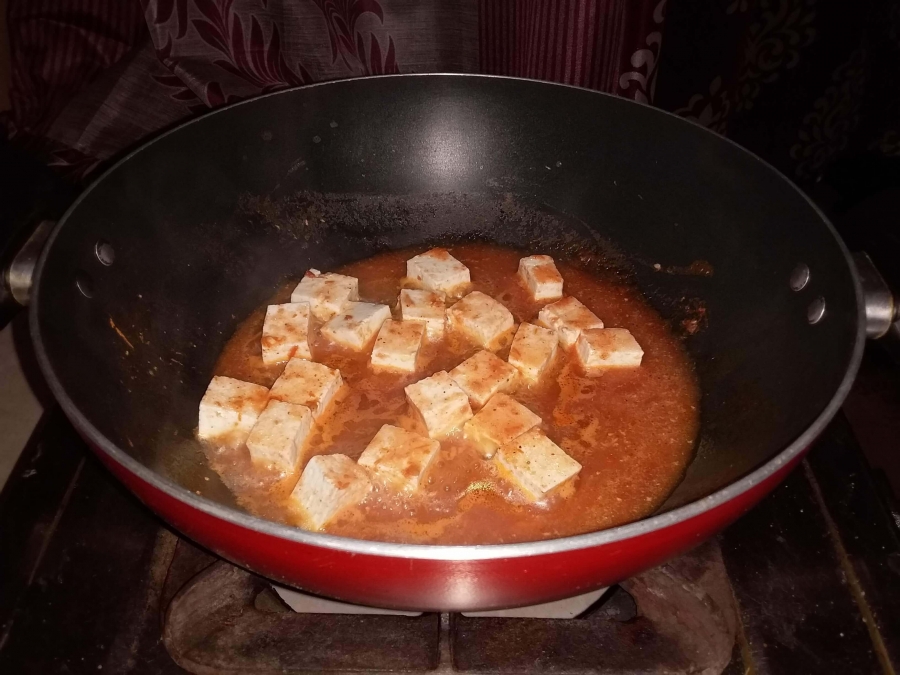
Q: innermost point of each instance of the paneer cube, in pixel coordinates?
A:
(439, 403)
(326, 293)
(328, 485)
(285, 333)
(532, 350)
(605, 348)
(568, 318)
(229, 409)
(399, 457)
(425, 306)
(356, 324)
(437, 270)
(536, 464)
(541, 278)
(499, 422)
(483, 375)
(482, 319)
(279, 435)
(307, 383)
(397, 346)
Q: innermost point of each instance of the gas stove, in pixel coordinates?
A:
(91, 581)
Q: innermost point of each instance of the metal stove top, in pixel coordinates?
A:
(90, 581)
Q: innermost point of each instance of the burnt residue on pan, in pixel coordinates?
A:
(698, 268)
(384, 222)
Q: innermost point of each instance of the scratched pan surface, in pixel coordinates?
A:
(208, 219)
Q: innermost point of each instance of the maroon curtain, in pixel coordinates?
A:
(92, 77)
(612, 46)
(800, 82)
(57, 49)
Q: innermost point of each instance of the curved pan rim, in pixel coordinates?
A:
(429, 551)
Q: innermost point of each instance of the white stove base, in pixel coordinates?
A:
(313, 604)
(568, 608)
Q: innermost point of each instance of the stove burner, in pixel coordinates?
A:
(678, 618)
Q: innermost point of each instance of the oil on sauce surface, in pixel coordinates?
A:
(633, 431)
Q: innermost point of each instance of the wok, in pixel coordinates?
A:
(150, 271)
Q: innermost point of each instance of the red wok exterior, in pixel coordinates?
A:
(442, 584)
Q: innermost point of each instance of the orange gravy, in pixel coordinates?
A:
(633, 430)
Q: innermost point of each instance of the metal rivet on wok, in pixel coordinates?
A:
(105, 253)
(85, 284)
(799, 277)
(816, 310)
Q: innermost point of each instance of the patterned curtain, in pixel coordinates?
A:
(799, 82)
(93, 77)
(612, 46)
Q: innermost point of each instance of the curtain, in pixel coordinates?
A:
(93, 77)
(800, 82)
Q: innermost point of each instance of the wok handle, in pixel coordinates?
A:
(882, 308)
(34, 193)
(15, 289)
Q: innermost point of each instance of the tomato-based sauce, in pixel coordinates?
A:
(632, 430)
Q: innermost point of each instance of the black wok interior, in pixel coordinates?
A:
(208, 220)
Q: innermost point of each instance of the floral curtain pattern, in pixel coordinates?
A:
(800, 82)
(165, 60)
